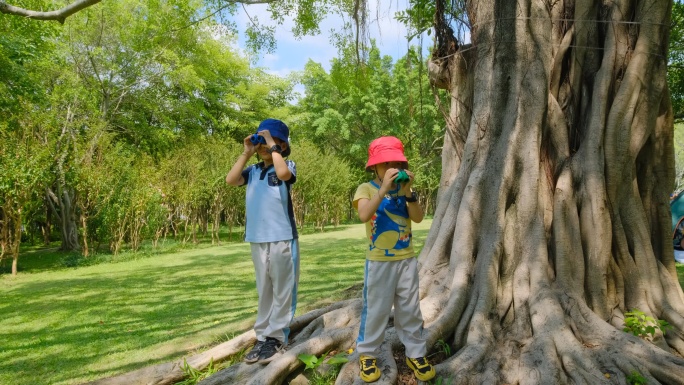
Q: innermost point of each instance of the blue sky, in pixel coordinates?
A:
(292, 54)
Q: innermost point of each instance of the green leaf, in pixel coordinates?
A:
(309, 360)
(338, 359)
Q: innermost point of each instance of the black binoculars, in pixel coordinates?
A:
(257, 139)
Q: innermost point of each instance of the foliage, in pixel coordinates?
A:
(679, 156)
(23, 161)
(193, 376)
(158, 84)
(312, 363)
(635, 378)
(675, 60)
(441, 381)
(307, 17)
(418, 17)
(321, 193)
(641, 325)
(115, 97)
(444, 348)
(344, 110)
(24, 45)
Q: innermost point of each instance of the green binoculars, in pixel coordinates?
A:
(402, 177)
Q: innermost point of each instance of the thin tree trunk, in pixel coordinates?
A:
(15, 241)
(84, 226)
(4, 233)
(46, 230)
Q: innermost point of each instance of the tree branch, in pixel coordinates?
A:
(78, 5)
(59, 15)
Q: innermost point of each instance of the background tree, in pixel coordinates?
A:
(23, 135)
(23, 163)
(343, 111)
(319, 196)
(134, 79)
(675, 64)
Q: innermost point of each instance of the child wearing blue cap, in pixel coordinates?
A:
(272, 233)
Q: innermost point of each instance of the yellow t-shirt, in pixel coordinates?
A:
(389, 230)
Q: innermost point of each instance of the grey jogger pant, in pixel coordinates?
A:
(277, 275)
(386, 284)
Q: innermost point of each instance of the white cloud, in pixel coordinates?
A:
(270, 58)
(280, 72)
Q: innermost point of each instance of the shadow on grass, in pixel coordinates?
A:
(75, 320)
(34, 259)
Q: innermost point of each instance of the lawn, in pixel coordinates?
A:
(72, 325)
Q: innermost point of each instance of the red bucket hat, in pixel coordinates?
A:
(385, 149)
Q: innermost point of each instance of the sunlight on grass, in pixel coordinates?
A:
(73, 325)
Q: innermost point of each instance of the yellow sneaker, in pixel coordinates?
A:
(421, 368)
(369, 369)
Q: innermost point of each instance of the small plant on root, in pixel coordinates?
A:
(643, 326)
(312, 363)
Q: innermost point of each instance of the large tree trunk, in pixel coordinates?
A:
(552, 220)
(556, 223)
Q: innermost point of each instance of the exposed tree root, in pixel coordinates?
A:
(172, 372)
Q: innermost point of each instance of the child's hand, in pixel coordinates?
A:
(250, 148)
(267, 137)
(388, 179)
(406, 187)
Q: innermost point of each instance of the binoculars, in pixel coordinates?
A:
(257, 139)
(402, 177)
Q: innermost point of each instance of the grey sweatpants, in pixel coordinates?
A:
(277, 275)
(386, 284)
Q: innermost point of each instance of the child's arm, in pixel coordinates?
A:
(234, 177)
(281, 169)
(415, 210)
(368, 207)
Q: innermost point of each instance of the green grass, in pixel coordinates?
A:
(120, 313)
(36, 258)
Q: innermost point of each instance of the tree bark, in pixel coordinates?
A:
(556, 222)
(84, 226)
(10, 232)
(4, 233)
(552, 219)
(63, 205)
(15, 240)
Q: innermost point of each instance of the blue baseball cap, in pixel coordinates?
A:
(277, 129)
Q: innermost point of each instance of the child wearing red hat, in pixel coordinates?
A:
(391, 274)
(271, 230)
